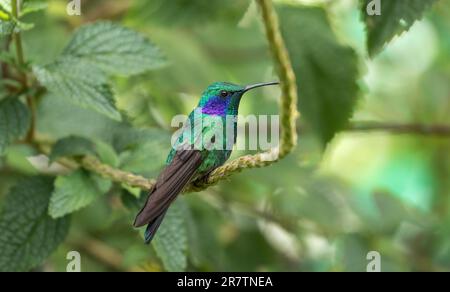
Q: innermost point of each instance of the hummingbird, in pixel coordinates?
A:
(204, 143)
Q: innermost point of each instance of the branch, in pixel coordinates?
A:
(4, 65)
(418, 129)
(32, 130)
(15, 6)
(91, 163)
(288, 107)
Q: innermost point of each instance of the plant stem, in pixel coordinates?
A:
(31, 132)
(282, 62)
(17, 35)
(4, 65)
(21, 61)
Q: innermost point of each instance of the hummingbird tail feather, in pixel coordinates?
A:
(152, 227)
(169, 184)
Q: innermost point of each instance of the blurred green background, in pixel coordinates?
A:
(325, 206)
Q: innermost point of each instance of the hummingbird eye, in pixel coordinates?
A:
(223, 93)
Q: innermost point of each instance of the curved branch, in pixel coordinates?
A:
(288, 107)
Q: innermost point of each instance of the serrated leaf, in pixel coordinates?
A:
(170, 243)
(114, 49)
(326, 71)
(75, 191)
(79, 82)
(27, 234)
(72, 146)
(396, 17)
(59, 119)
(15, 120)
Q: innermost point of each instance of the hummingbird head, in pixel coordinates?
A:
(223, 98)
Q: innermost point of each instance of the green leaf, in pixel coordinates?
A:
(23, 26)
(170, 242)
(8, 21)
(59, 119)
(15, 120)
(27, 234)
(114, 49)
(326, 71)
(4, 15)
(32, 6)
(6, 27)
(396, 17)
(81, 83)
(5, 5)
(106, 153)
(27, 7)
(75, 191)
(72, 146)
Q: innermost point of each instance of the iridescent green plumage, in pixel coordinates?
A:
(202, 145)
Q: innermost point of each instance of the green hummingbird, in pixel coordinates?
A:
(204, 143)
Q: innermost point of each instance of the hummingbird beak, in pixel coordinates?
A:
(253, 86)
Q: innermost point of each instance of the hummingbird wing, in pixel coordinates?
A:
(169, 184)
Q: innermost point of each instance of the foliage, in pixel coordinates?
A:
(72, 146)
(396, 17)
(318, 58)
(14, 121)
(75, 191)
(105, 86)
(171, 243)
(28, 234)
